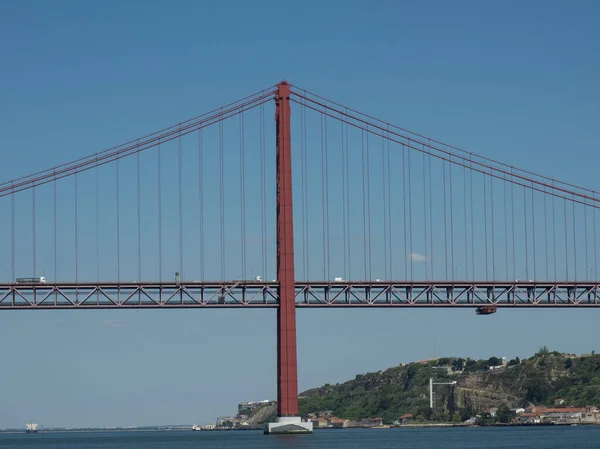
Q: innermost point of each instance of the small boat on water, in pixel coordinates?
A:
(206, 427)
(31, 428)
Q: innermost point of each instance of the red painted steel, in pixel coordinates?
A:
(287, 370)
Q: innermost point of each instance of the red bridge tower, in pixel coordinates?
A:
(288, 420)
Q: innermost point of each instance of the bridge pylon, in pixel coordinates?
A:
(288, 419)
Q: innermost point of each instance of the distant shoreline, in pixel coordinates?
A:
(189, 429)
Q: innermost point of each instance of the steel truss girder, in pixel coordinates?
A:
(137, 295)
(251, 294)
(447, 294)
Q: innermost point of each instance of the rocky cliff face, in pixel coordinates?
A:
(261, 415)
(480, 391)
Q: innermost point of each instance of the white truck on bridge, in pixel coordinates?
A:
(38, 280)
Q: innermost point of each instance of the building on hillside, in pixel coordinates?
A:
(492, 411)
(529, 418)
(245, 408)
(560, 415)
(325, 422)
(367, 422)
(405, 419)
(336, 422)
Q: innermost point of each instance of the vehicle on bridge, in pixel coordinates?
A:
(37, 280)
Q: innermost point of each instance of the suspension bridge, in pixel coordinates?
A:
(374, 216)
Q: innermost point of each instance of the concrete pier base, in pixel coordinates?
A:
(288, 425)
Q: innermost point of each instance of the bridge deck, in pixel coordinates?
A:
(253, 294)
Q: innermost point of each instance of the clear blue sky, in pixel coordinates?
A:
(513, 81)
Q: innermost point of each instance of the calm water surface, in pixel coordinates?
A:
(582, 437)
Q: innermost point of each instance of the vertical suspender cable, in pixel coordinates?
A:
(385, 234)
(12, 233)
(505, 230)
(546, 230)
(159, 191)
(472, 220)
(327, 197)
(389, 196)
(409, 215)
(445, 220)
(201, 200)
(452, 267)
(33, 228)
(243, 187)
(55, 261)
(425, 219)
(76, 235)
(533, 232)
(118, 229)
(574, 242)
(241, 196)
(493, 228)
(347, 168)
(405, 253)
(430, 219)
(324, 233)
(180, 195)
(585, 241)
(364, 204)
(344, 199)
(465, 217)
(369, 202)
(306, 196)
(303, 189)
(512, 209)
(566, 242)
(554, 255)
(595, 246)
(222, 196)
(139, 217)
(525, 229)
(485, 207)
(263, 192)
(262, 198)
(97, 230)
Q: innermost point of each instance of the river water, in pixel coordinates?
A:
(580, 437)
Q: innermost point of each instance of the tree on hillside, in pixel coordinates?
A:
(537, 389)
(425, 412)
(504, 414)
(515, 361)
(568, 363)
(457, 365)
(543, 351)
(484, 419)
(466, 413)
(494, 361)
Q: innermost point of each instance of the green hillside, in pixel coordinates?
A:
(405, 389)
